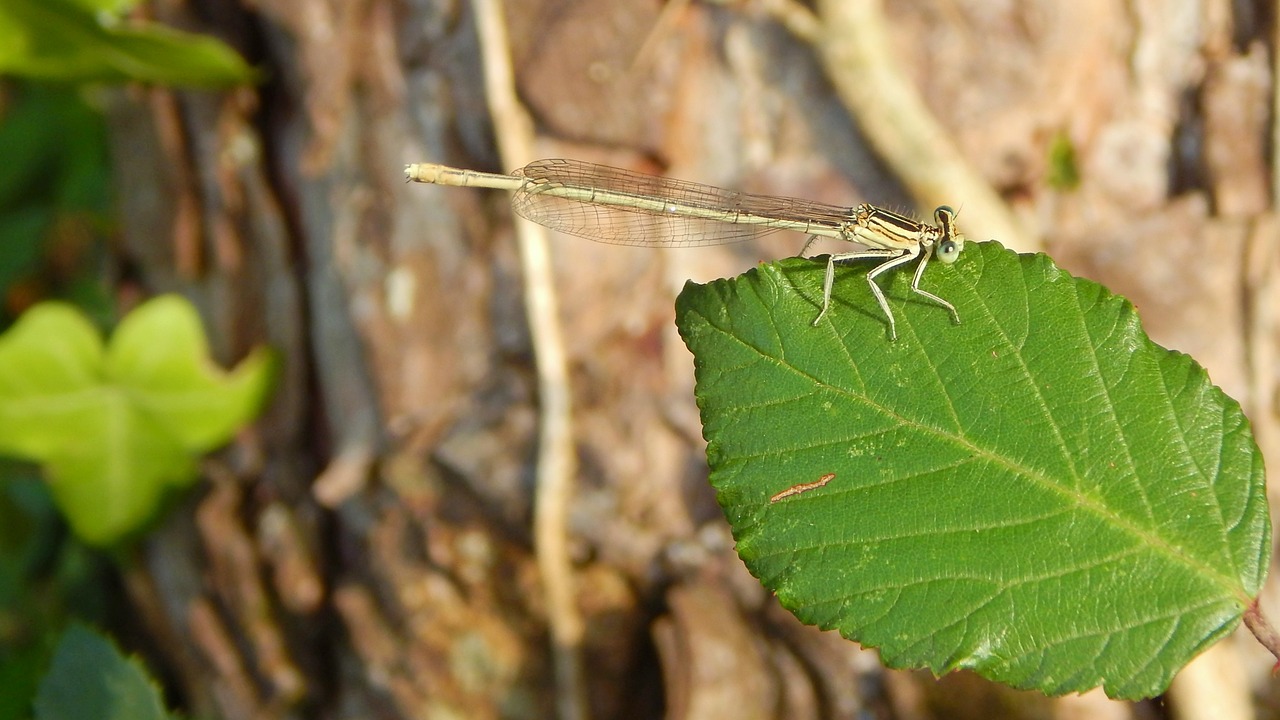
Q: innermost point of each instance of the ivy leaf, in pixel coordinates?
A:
(63, 40)
(1040, 493)
(90, 678)
(116, 428)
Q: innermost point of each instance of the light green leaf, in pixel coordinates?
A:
(112, 8)
(1040, 494)
(63, 40)
(90, 678)
(179, 385)
(117, 428)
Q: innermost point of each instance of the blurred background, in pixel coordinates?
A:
(479, 487)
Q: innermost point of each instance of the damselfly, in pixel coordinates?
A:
(621, 207)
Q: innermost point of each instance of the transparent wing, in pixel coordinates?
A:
(621, 207)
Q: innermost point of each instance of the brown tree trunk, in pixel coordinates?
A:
(367, 549)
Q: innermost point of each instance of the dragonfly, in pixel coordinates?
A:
(622, 207)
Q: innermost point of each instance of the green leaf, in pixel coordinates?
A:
(21, 235)
(55, 150)
(116, 428)
(178, 384)
(1063, 173)
(62, 40)
(55, 189)
(113, 8)
(91, 678)
(19, 677)
(1040, 493)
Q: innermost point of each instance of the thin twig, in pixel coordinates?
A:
(1262, 629)
(1261, 284)
(850, 36)
(555, 468)
(1275, 121)
(671, 11)
(796, 18)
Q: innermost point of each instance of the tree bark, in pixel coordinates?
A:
(366, 550)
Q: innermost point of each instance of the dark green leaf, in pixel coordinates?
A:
(21, 236)
(1040, 493)
(20, 670)
(90, 678)
(55, 190)
(63, 40)
(1063, 172)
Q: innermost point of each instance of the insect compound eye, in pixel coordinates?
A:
(948, 251)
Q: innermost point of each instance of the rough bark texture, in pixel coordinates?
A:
(365, 551)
